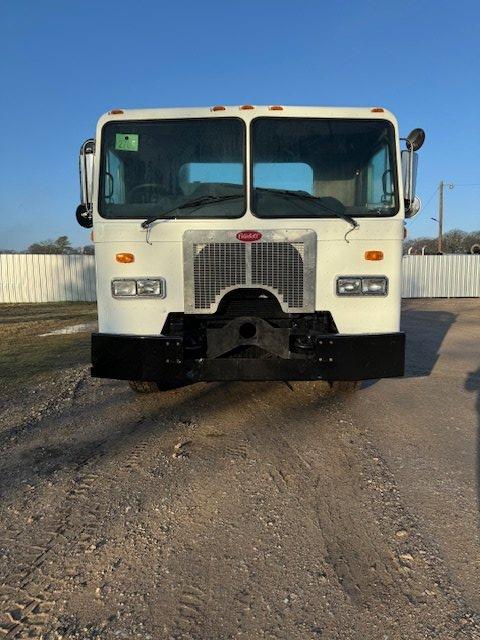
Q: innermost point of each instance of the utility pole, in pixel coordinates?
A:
(440, 216)
(441, 187)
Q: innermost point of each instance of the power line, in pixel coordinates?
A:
(431, 198)
(424, 207)
(410, 222)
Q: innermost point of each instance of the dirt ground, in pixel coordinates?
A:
(239, 510)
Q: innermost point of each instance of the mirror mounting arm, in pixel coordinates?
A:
(84, 212)
(414, 142)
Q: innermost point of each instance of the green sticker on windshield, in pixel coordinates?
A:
(126, 141)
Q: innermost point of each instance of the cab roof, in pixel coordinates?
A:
(249, 112)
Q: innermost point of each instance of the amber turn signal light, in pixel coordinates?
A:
(373, 255)
(125, 257)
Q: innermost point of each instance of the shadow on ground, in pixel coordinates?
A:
(425, 331)
(472, 383)
(140, 417)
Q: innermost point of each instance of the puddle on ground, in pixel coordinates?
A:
(74, 328)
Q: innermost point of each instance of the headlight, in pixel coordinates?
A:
(374, 286)
(143, 287)
(349, 286)
(150, 288)
(123, 288)
(362, 285)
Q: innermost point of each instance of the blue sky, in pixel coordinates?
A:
(64, 63)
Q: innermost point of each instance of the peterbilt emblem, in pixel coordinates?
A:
(249, 236)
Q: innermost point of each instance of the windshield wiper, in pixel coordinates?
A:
(198, 202)
(303, 195)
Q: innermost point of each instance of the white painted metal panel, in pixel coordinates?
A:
(448, 276)
(47, 278)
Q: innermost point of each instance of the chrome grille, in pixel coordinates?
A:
(282, 262)
(279, 265)
(217, 266)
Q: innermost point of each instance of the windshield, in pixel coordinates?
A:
(337, 165)
(152, 167)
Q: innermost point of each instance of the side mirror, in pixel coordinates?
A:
(84, 216)
(414, 208)
(409, 173)
(84, 210)
(415, 139)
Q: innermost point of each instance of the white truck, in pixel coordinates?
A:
(248, 243)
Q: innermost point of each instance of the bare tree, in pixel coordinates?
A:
(60, 245)
(454, 241)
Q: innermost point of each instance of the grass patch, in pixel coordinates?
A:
(25, 356)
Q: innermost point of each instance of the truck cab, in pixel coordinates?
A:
(248, 243)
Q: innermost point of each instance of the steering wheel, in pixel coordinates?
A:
(151, 192)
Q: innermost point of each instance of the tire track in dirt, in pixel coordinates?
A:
(25, 602)
(252, 460)
(65, 391)
(222, 451)
(23, 589)
(390, 565)
(363, 566)
(190, 608)
(243, 443)
(31, 581)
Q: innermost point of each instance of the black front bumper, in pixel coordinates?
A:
(161, 358)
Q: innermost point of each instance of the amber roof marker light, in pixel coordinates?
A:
(275, 107)
(115, 112)
(244, 107)
(218, 107)
(377, 110)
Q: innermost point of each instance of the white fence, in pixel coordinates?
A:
(46, 278)
(55, 278)
(448, 276)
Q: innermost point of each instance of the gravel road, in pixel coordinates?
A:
(237, 510)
